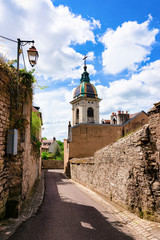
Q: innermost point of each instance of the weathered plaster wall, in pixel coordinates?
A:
(66, 158)
(19, 172)
(128, 171)
(87, 138)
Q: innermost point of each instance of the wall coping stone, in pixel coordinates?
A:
(82, 160)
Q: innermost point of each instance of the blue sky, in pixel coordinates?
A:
(120, 37)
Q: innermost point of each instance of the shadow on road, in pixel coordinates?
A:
(63, 219)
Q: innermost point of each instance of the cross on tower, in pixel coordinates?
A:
(85, 67)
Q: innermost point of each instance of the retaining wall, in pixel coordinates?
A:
(128, 171)
(52, 164)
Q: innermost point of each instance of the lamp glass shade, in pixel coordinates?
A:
(33, 56)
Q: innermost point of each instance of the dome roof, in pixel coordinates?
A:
(85, 89)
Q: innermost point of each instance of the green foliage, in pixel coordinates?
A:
(20, 87)
(41, 87)
(61, 144)
(44, 138)
(36, 124)
(35, 129)
(62, 155)
(59, 155)
(46, 155)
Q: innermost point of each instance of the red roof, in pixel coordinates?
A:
(47, 141)
(107, 121)
(34, 109)
(45, 147)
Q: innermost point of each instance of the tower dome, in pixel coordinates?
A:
(85, 103)
(85, 89)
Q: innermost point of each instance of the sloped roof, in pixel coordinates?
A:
(132, 116)
(53, 147)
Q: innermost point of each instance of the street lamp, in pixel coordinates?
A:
(32, 52)
(32, 56)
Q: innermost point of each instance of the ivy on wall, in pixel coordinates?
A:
(20, 89)
(35, 129)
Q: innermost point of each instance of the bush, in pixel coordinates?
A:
(46, 155)
(35, 129)
(61, 144)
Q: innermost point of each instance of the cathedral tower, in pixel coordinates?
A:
(85, 103)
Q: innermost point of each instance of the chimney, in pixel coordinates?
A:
(122, 112)
(119, 112)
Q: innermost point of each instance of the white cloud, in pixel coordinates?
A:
(54, 29)
(136, 94)
(96, 23)
(127, 46)
(56, 112)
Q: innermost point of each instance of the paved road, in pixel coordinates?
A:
(68, 213)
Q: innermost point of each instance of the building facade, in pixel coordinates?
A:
(86, 135)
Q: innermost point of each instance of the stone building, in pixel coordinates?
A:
(86, 135)
(54, 147)
(45, 145)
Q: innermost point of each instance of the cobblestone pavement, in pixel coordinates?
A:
(141, 229)
(9, 226)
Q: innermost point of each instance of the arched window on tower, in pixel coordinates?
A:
(77, 116)
(90, 115)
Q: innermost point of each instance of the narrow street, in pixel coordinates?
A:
(68, 213)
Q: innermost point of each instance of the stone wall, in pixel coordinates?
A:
(4, 126)
(128, 171)
(52, 164)
(17, 172)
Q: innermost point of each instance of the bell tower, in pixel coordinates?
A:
(85, 103)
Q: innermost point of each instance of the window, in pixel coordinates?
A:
(90, 112)
(77, 116)
(77, 113)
